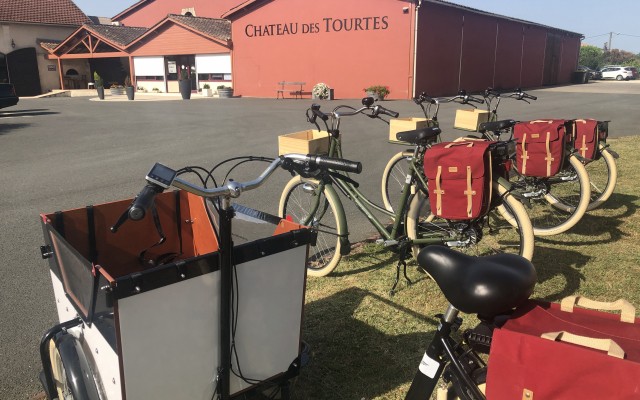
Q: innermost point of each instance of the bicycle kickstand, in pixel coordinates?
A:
(402, 263)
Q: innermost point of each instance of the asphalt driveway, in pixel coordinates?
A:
(63, 153)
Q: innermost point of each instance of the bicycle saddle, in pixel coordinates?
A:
(419, 136)
(495, 126)
(487, 286)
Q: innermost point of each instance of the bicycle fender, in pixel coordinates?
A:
(80, 376)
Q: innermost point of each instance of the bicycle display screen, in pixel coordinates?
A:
(161, 175)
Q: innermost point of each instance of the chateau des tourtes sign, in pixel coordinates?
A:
(326, 25)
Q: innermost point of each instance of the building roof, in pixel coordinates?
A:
(214, 27)
(477, 11)
(50, 12)
(100, 20)
(245, 5)
(49, 45)
(129, 9)
(120, 35)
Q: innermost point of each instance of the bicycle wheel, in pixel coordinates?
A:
(298, 198)
(393, 178)
(59, 374)
(557, 203)
(603, 175)
(494, 233)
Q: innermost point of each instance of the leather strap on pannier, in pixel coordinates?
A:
(525, 156)
(583, 148)
(548, 158)
(439, 192)
(469, 192)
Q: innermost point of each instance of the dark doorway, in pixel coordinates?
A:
(552, 59)
(174, 65)
(22, 65)
(4, 73)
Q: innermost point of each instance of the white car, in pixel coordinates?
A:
(617, 73)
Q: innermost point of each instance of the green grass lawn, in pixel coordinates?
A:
(367, 345)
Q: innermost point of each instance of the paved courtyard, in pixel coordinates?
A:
(63, 153)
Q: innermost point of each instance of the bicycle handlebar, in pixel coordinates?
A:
(233, 189)
(423, 98)
(143, 201)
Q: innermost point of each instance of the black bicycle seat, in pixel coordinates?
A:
(419, 136)
(487, 286)
(495, 126)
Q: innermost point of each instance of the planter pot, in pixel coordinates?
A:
(130, 92)
(374, 95)
(313, 96)
(207, 92)
(118, 91)
(185, 89)
(100, 90)
(225, 93)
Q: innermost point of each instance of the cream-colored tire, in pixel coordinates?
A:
(565, 202)
(393, 179)
(296, 202)
(509, 232)
(603, 176)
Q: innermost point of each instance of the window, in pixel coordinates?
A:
(214, 77)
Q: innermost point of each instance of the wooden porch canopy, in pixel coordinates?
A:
(95, 41)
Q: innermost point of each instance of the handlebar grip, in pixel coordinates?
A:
(528, 96)
(315, 109)
(337, 163)
(475, 99)
(382, 110)
(143, 201)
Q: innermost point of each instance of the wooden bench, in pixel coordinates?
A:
(293, 88)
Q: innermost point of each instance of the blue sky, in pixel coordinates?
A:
(593, 18)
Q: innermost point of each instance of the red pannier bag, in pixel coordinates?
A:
(586, 132)
(459, 178)
(543, 352)
(540, 146)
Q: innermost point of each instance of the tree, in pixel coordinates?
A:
(591, 56)
(619, 57)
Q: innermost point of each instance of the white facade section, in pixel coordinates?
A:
(213, 63)
(103, 359)
(148, 66)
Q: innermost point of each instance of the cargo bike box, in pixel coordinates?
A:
(141, 312)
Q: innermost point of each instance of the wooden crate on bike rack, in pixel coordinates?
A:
(469, 120)
(406, 124)
(304, 142)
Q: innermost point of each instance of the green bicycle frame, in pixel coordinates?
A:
(365, 205)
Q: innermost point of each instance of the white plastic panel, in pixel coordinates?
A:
(170, 340)
(148, 66)
(271, 293)
(213, 63)
(170, 336)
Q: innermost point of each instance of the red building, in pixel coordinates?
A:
(408, 45)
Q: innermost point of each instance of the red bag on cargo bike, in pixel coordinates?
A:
(586, 132)
(540, 146)
(551, 351)
(459, 178)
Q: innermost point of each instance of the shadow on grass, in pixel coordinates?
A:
(383, 256)
(594, 228)
(551, 262)
(352, 359)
